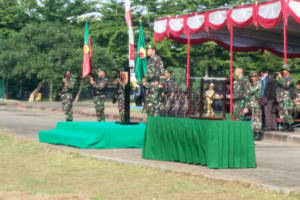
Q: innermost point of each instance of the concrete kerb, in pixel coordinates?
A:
(283, 137)
(109, 116)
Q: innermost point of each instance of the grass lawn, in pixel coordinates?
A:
(33, 171)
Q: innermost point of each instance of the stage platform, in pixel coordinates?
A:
(213, 143)
(95, 135)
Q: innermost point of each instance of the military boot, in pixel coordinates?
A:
(284, 127)
(259, 136)
(254, 134)
(290, 128)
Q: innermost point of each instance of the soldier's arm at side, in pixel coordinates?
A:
(247, 88)
(285, 82)
(161, 71)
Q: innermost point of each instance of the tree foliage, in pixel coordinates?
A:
(39, 37)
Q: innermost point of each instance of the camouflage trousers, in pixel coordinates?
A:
(153, 100)
(256, 117)
(67, 105)
(238, 108)
(288, 108)
(99, 105)
(280, 110)
(121, 106)
(167, 102)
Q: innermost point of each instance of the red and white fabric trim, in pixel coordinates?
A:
(176, 26)
(294, 9)
(195, 23)
(241, 17)
(249, 22)
(269, 14)
(216, 19)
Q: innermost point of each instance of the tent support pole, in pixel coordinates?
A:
(231, 71)
(188, 61)
(285, 19)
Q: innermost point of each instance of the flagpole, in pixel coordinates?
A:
(130, 66)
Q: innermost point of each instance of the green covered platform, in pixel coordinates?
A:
(95, 135)
(214, 143)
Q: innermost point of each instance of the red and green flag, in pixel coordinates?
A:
(87, 52)
(141, 58)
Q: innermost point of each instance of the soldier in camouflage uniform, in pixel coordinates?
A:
(174, 103)
(155, 81)
(297, 100)
(167, 92)
(279, 105)
(183, 102)
(99, 92)
(253, 104)
(286, 83)
(67, 94)
(241, 88)
(121, 82)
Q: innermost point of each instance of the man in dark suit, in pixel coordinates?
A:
(268, 96)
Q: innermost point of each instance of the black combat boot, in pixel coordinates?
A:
(254, 134)
(284, 127)
(259, 136)
(290, 128)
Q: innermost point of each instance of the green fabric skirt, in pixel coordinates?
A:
(215, 143)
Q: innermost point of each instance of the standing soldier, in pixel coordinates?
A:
(67, 95)
(297, 100)
(167, 92)
(279, 103)
(241, 87)
(154, 78)
(121, 83)
(253, 104)
(286, 83)
(99, 89)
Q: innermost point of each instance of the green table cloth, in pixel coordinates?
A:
(96, 135)
(215, 143)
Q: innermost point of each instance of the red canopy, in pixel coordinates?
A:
(272, 26)
(256, 26)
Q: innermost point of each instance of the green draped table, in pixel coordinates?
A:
(95, 135)
(215, 143)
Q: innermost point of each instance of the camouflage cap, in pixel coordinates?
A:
(67, 68)
(98, 68)
(253, 74)
(286, 67)
(151, 46)
(239, 66)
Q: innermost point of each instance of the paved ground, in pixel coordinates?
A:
(278, 162)
(85, 108)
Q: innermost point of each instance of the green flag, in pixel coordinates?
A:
(141, 58)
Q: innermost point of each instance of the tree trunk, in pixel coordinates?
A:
(79, 91)
(35, 91)
(51, 91)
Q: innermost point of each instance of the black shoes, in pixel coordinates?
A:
(258, 135)
(287, 128)
(290, 128)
